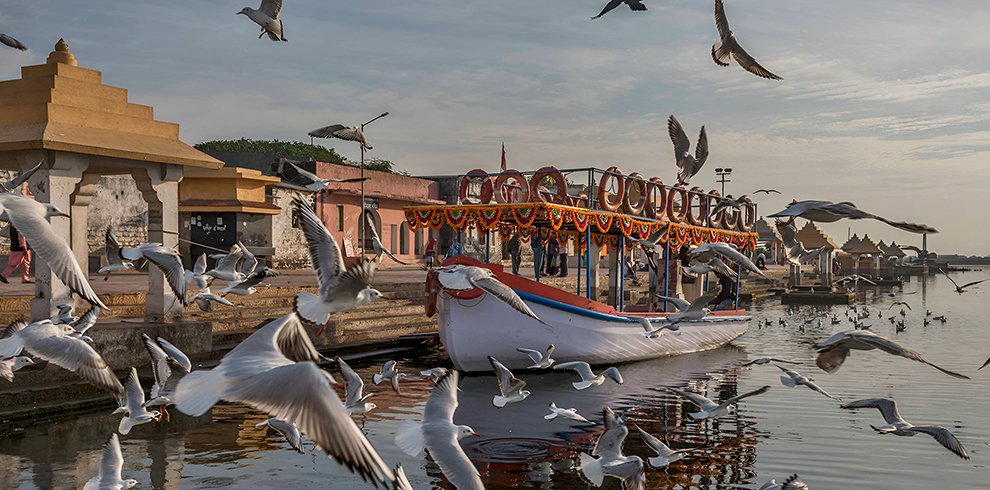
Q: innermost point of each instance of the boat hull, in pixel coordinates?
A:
(473, 329)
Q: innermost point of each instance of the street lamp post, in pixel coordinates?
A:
(723, 176)
(361, 221)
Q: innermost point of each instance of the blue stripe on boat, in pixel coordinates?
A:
(595, 314)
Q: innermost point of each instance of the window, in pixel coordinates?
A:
(404, 239)
(394, 237)
(340, 218)
(419, 242)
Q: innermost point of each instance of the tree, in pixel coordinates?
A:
(287, 149)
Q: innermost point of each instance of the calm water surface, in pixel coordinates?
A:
(771, 436)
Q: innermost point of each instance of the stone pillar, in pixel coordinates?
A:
(594, 252)
(79, 203)
(159, 184)
(54, 183)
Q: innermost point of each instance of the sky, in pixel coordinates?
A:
(885, 104)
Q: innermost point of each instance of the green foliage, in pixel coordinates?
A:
(287, 149)
(379, 164)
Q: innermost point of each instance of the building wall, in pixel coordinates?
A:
(119, 204)
(289, 241)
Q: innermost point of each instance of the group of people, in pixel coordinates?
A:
(548, 260)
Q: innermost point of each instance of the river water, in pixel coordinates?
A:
(773, 435)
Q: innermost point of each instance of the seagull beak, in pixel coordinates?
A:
(239, 13)
(62, 215)
(323, 328)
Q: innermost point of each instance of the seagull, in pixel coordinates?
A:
(767, 360)
(665, 455)
(29, 217)
(898, 426)
(295, 176)
(247, 286)
(833, 351)
(795, 252)
(205, 299)
(14, 43)
(510, 387)
(163, 391)
(766, 191)
(728, 202)
(791, 378)
(692, 311)
(710, 409)
(634, 5)
(166, 260)
(606, 459)
(901, 303)
(260, 373)
(707, 252)
(85, 322)
(438, 434)
(651, 332)
(688, 165)
(289, 431)
(226, 268)
(569, 413)
(249, 262)
(197, 277)
(960, 289)
(52, 343)
(389, 372)
(111, 465)
(434, 373)
(651, 242)
(64, 315)
(458, 277)
(541, 360)
(342, 132)
(727, 47)
(376, 243)
(829, 212)
(791, 483)
(588, 378)
(12, 364)
(136, 413)
(339, 289)
(356, 401)
(267, 17)
(112, 254)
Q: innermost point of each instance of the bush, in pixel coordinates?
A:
(287, 149)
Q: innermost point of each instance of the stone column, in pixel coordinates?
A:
(79, 202)
(594, 252)
(54, 183)
(159, 184)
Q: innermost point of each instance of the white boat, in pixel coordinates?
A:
(475, 325)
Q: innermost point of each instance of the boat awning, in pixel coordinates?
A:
(546, 218)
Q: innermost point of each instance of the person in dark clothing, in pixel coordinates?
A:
(537, 257)
(20, 257)
(553, 250)
(514, 253)
(563, 257)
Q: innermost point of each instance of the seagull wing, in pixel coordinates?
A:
(680, 139)
(135, 394)
(169, 263)
(323, 250)
(250, 261)
(891, 347)
(910, 227)
(701, 150)
(200, 267)
(609, 444)
(681, 304)
(87, 320)
(45, 341)
(722, 269)
(767, 191)
(159, 361)
(443, 445)
(27, 215)
(14, 43)
(507, 382)
(611, 5)
(355, 385)
(732, 253)
(23, 177)
(534, 355)
(887, 407)
(944, 437)
(964, 286)
(289, 431)
(443, 400)
(505, 294)
(655, 444)
(229, 261)
(949, 278)
(112, 462)
(750, 64)
(175, 355)
(721, 22)
(112, 248)
(582, 368)
(814, 387)
(271, 8)
(327, 131)
(755, 392)
(700, 302)
(701, 401)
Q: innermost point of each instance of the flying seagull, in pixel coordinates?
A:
(541, 360)
(829, 212)
(766, 191)
(728, 47)
(588, 378)
(510, 388)
(136, 413)
(342, 132)
(390, 372)
(665, 455)
(895, 424)
(767, 360)
(791, 378)
(226, 268)
(340, 289)
(705, 253)
(458, 277)
(29, 217)
(606, 459)
(112, 253)
(297, 177)
(434, 374)
(267, 17)
(261, 373)
(247, 286)
(651, 332)
(205, 299)
(10, 365)
(651, 242)
(166, 260)
(163, 391)
(569, 413)
(728, 202)
(289, 431)
(834, 350)
(111, 465)
(796, 253)
(356, 401)
(377, 245)
(902, 303)
(693, 311)
(249, 262)
(687, 164)
(634, 5)
(15, 183)
(710, 409)
(438, 434)
(960, 289)
(14, 43)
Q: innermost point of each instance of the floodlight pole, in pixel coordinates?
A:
(361, 220)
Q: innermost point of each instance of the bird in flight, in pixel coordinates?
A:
(687, 164)
(727, 47)
(960, 289)
(635, 5)
(766, 191)
(14, 43)
(266, 16)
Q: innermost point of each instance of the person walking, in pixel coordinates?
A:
(20, 257)
(537, 256)
(553, 250)
(514, 253)
(431, 252)
(563, 257)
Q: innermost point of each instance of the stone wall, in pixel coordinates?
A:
(289, 242)
(119, 204)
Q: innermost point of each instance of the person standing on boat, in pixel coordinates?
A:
(563, 257)
(431, 251)
(514, 253)
(537, 256)
(553, 250)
